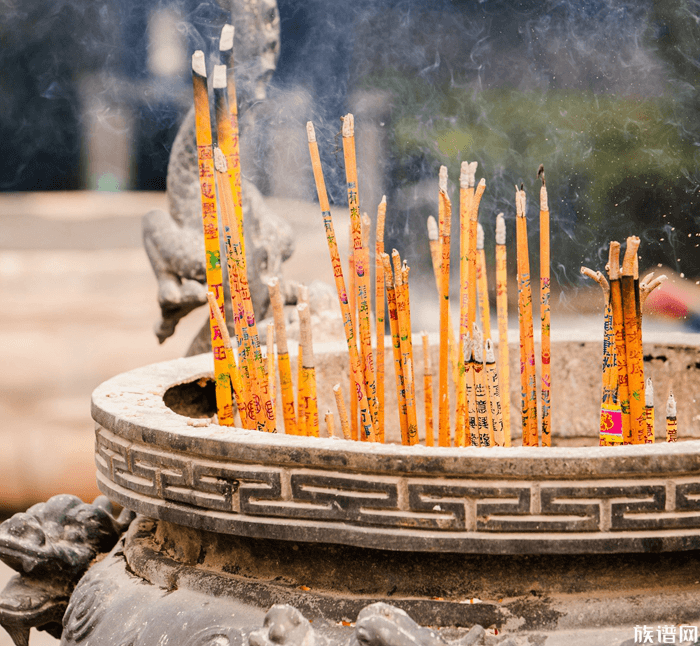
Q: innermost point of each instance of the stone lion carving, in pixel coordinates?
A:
(174, 240)
(383, 625)
(284, 624)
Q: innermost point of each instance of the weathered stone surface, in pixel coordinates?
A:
(516, 500)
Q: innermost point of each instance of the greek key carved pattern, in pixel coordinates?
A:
(400, 502)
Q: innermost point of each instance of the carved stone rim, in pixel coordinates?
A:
(131, 406)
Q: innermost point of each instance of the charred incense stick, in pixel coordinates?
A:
(502, 312)
(671, 421)
(445, 323)
(435, 257)
(205, 156)
(613, 268)
(364, 303)
(633, 341)
(233, 373)
(380, 310)
(483, 414)
(544, 312)
(527, 345)
(482, 285)
(233, 156)
(469, 365)
(270, 365)
(494, 392)
(283, 363)
(361, 268)
(308, 375)
(396, 346)
(466, 198)
(342, 412)
(610, 413)
(330, 424)
(355, 365)
(649, 412)
(428, 391)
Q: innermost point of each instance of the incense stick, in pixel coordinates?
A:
(380, 310)
(671, 421)
(330, 424)
(205, 156)
(283, 363)
(428, 391)
(445, 323)
(649, 412)
(352, 297)
(407, 349)
(494, 392)
(502, 313)
(270, 365)
(544, 312)
(482, 286)
(302, 421)
(355, 367)
(483, 414)
(363, 314)
(342, 412)
(469, 365)
(472, 261)
(613, 268)
(308, 371)
(396, 347)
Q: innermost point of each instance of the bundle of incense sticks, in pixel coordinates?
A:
(626, 411)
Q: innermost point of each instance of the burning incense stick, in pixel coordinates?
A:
(434, 242)
(613, 268)
(483, 415)
(270, 365)
(610, 413)
(482, 286)
(352, 297)
(308, 376)
(342, 412)
(364, 303)
(469, 365)
(633, 341)
(466, 197)
(379, 309)
(205, 156)
(396, 347)
(649, 412)
(233, 156)
(445, 323)
(361, 267)
(283, 363)
(527, 345)
(671, 421)
(473, 254)
(428, 391)
(494, 392)
(330, 424)
(355, 366)
(502, 312)
(233, 373)
(544, 312)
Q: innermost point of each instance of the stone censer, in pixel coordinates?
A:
(230, 536)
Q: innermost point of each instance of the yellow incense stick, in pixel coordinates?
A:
(308, 373)
(233, 155)
(396, 347)
(428, 391)
(342, 412)
(205, 156)
(494, 393)
(283, 362)
(671, 421)
(352, 300)
(233, 373)
(364, 301)
(380, 312)
(544, 313)
(355, 365)
(502, 313)
(302, 421)
(482, 284)
(649, 412)
(270, 365)
(403, 304)
(483, 414)
(613, 267)
(472, 268)
(445, 323)
(633, 344)
(361, 267)
(330, 424)
(470, 366)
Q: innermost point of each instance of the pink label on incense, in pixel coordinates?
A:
(611, 422)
